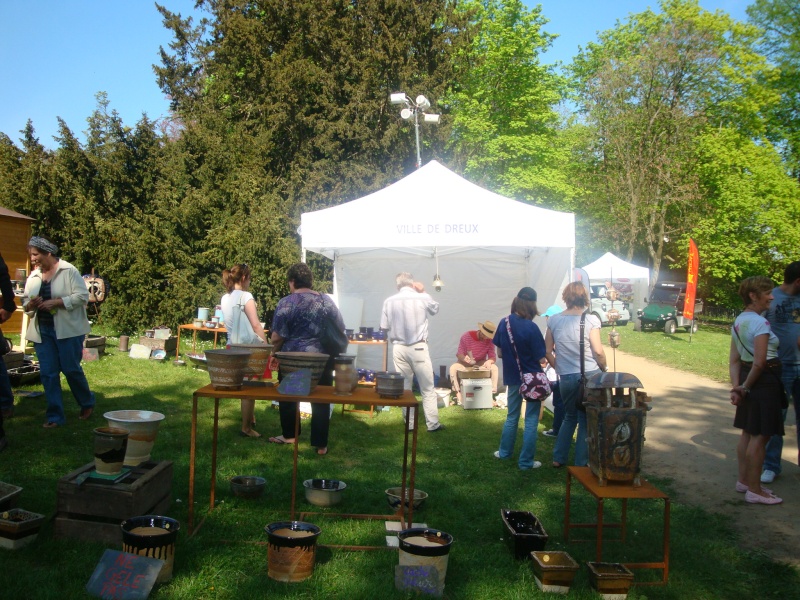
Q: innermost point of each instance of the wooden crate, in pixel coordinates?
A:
(169, 345)
(92, 511)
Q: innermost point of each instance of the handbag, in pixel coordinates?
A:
(5, 344)
(241, 332)
(580, 400)
(534, 386)
(333, 339)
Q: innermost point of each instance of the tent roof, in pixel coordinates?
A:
(434, 207)
(609, 264)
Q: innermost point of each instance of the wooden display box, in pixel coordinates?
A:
(93, 511)
(169, 345)
(95, 341)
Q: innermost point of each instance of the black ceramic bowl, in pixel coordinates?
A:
(245, 486)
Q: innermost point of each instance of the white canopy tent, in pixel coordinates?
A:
(485, 247)
(626, 277)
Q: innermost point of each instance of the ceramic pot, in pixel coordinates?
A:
(152, 536)
(294, 361)
(110, 444)
(123, 343)
(425, 547)
(259, 357)
(345, 375)
(202, 314)
(292, 550)
(142, 426)
(226, 368)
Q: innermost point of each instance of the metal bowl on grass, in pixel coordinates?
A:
(393, 497)
(324, 492)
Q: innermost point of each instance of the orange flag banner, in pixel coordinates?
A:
(691, 281)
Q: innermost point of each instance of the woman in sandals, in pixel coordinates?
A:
(241, 321)
(55, 299)
(757, 392)
(563, 340)
(298, 326)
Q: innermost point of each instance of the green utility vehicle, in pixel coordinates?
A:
(664, 310)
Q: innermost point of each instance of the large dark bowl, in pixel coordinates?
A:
(294, 361)
(247, 486)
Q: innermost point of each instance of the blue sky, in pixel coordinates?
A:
(55, 55)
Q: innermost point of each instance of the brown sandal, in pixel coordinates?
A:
(50, 425)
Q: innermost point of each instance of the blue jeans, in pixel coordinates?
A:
(6, 393)
(558, 406)
(572, 418)
(790, 376)
(529, 434)
(56, 357)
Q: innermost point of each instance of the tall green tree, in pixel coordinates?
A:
(780, 21)
(648, 89)
(505, 127)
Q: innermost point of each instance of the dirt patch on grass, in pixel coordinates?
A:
(691, 440)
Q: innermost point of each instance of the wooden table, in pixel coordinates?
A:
(215, 330)
(624, 492)
(385, 344)
(321, 395)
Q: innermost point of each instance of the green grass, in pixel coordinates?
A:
(467, 487)
(705, 354)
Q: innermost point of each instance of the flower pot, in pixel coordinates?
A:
(523, 531)
(152, 536)
(420, 547)
(259, 357)
(19, 528)
(294, 361)
(226, 368)
(611, 580)
(292, 550)
(324, 492)
(553, 571)
(142, 426)
(110, 444)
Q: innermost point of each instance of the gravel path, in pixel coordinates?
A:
(690, 439)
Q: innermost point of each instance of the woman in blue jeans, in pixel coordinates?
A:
(55, 298)
(528, 345)
(563, 340)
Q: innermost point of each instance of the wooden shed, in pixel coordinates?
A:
(15, 231)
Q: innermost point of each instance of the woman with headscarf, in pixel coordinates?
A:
(241, 321)
(563, 340)
(298, 326)
(55, 299)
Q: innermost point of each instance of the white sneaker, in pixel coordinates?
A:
(768, 476)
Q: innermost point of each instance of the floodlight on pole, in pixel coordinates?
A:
(414, 108)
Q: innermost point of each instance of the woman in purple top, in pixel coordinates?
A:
(298, 326)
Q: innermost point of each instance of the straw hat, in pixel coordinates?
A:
(487, 328)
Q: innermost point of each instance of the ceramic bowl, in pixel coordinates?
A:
(259, 357)
(227, 367)
(248, 486)
(324, 492)
(198, 322)
(393, 497)
(210, 324)
(294, 361)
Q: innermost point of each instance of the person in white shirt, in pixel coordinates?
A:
(405, 317)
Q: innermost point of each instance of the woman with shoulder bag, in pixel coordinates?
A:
(568, 333)
(522, 348)
(757, 392)
(241, 321)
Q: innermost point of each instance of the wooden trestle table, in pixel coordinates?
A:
(623, 492)
(321, 395)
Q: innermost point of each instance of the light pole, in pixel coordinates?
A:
(420, 105)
